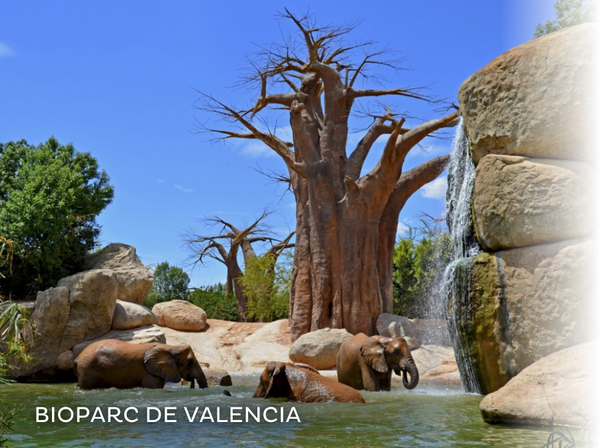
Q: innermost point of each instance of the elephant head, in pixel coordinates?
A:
(382, 354)
(174, 362)
(301, 382)
(273, 382)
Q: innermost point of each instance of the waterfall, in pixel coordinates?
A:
(457, 277)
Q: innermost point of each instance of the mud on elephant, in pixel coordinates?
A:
(367, 363)
(300, 382)
(114, 363)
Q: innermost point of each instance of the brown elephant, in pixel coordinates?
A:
(300, 382)
(114, 363)
(365, 362)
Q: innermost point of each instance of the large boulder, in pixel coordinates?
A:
(133, 278)
(530, 293)
(180, 315)
(81, 307)
(319, 348)
(522, 202)
(131, 315)
(536, 100)
(92, 300)
(556, 390)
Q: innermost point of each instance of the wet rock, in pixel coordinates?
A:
(528, 303)
(217, 377)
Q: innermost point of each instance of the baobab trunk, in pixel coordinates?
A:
(335, 282)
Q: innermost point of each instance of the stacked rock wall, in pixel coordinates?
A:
(530, 120)
(81, 308)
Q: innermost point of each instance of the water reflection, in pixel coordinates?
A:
(427, 416)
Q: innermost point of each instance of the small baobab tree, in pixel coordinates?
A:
(346, 219)
(225, 245)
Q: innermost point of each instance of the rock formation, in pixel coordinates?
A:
(528, 118)
(131, 315)
(132, 276)
(81, 308)
(180, 315)
(556, 390)
(319, 348)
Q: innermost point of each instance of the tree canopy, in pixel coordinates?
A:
(569, 13)
(170, 283)
(50, 196)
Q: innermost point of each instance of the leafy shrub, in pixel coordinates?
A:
(214, 301)
(266, 284)
(170, 283)
(13, 320)
(50, 196)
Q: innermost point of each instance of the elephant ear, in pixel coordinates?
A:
(162, 363)
(279, 385)
(372, 352)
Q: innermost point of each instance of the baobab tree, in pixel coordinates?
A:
(224, 247)
(346, 220)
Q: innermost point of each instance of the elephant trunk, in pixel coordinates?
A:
(201, 378)
(412, 370)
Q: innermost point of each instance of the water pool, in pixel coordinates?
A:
(425, 417)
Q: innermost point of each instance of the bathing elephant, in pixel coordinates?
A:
(300, 382)
(114, 363)
(365, 362)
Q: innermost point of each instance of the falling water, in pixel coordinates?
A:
(461, 178)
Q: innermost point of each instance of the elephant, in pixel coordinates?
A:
(365, 362)
(300, 382)
(114, 363)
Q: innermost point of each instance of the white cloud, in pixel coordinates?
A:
(435, 189)
(429, 151)
(256, 149)
(401, 230)
(184, 189)
(6, 51)
(161, 181)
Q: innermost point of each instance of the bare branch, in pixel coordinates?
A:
(382, 125)
(280, 147)
(410, 93)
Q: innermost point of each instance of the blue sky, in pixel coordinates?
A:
(118, 79)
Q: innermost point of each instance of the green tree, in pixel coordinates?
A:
(216, 302)
(569, 13)
(170, 283)
(266, 284)
(418, 273)
(50, 196)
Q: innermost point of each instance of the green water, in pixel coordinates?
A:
(424, 417)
